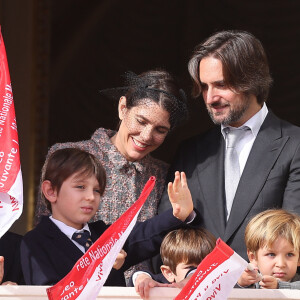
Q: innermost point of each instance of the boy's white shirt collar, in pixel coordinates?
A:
(68, 230)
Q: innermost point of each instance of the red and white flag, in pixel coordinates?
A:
(11, 185)
(90, 272)
(216, 275)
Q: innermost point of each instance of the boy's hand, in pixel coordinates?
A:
(1, 268)
(249, 277)
(9, 283)
(2, 273)
(181, 283)
(120, 260)
(144, 283)
(180, 197)
(269, 282)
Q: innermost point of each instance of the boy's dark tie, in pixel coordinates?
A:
(83, 238)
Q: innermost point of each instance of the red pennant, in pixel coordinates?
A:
(11, 186)
(215, 276)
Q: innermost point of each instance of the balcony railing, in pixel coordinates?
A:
(116, 293)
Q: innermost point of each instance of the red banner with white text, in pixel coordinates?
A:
(91, 271)
(216, 275)
(11, 185)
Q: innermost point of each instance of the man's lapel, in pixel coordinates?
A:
(264, 153)
(211, 177)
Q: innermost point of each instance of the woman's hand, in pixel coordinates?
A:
(180, 197)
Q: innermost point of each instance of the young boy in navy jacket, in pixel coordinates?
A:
(72, 186)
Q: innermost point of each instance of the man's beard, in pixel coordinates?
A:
(234, 115)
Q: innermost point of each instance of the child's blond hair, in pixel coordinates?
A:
(267, 226)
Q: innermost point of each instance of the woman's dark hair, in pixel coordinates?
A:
(244, 62)
(66, 162)
(161, 87)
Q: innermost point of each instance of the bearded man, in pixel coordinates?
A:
(250, 161)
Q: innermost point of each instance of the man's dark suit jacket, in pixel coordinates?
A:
(271, 178)
(47, 254)
(10, 250)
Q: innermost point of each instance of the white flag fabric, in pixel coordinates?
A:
(90, 272)
(216, 275)
(11, 184)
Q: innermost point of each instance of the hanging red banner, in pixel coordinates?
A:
(11, 185)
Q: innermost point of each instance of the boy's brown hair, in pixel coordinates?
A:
(186, 245)
(64, 163)
(267, 226)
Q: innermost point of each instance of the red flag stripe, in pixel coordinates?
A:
(11, 186)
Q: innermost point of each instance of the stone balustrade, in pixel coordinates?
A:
(116, 293)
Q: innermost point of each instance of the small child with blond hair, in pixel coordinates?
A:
(273, 245)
